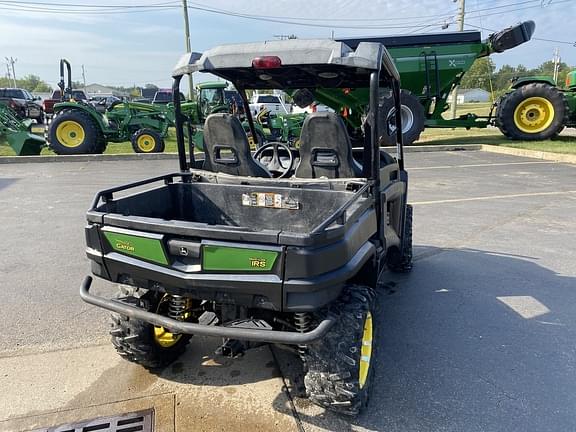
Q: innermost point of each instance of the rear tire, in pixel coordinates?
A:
(535, 111)
(402, 263)
(413, 119)
(74, 132)
(147, 141)
(339, 367)
(135, 340)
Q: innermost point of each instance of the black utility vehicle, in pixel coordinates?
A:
(284, 247)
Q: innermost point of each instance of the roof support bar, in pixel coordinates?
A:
(179, 123)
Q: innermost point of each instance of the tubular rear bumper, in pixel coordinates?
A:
(270, 336)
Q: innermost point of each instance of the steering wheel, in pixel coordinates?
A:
(275, 163)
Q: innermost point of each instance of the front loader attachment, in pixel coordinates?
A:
(17, 134)
(25, 143)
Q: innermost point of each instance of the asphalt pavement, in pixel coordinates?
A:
(479, 337)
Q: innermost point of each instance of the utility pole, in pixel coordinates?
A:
(188, 47)
(556, 60)
(460, 22)
(10, 63)
(84, 77)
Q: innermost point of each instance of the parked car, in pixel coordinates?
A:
(48, 104)
(21, 101)
(164, 96)
(274, 103)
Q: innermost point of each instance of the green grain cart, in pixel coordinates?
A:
(430, 66)
(536, 109)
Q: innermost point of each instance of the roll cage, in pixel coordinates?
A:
(299, 64)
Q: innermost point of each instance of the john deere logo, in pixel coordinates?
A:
(124, 245)
(258, 262)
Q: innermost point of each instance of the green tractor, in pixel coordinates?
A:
(79, 128)
(535, 108)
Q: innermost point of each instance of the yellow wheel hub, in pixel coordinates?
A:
(70, 133)
(146, 143)
(534, 115)
(164, 338)
(366, 350)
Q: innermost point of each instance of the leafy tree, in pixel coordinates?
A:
(151, 86)
(479, 74)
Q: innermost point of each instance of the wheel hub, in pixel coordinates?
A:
(70, 133)
(407, 119)
(534, 115)
(146, 143)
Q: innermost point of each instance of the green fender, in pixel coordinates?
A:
(519, 82)
(98, 118)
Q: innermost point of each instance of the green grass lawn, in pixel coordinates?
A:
(492, 136)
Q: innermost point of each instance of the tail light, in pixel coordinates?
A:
(266, 62)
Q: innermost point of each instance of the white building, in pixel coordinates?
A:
(97, 90)
(472, 95)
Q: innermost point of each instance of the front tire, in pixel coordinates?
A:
(147, 141)
(533, 112)
(339, 368)
(143, 343)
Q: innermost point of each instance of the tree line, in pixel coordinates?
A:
(483, 74)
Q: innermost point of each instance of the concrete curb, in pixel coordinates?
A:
(169, 156)
(87, 158)
(556, 157)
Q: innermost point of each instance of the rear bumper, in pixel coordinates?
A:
(175, 326)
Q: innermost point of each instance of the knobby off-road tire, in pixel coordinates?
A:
(333, 364)
(135, 340)
(403, 262)
(533, 112)
(74, 132)
(147, 141)
(413, 119)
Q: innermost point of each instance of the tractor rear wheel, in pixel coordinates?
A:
(143, 343)
(535, 111)
(74, 132)
(412, 119)
(147, 141)
(339, 367)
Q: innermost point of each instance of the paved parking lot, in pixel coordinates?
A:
(479, 337)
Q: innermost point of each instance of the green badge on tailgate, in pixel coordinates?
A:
(139, 247)
(222, 258)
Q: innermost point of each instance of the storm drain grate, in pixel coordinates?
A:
(141, 421)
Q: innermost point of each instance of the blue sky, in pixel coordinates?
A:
(137, 48)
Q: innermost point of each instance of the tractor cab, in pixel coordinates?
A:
(211, 98)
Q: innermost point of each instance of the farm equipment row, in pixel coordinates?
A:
(431, 66)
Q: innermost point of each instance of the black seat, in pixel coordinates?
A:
(325, 149)
(226, 148)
